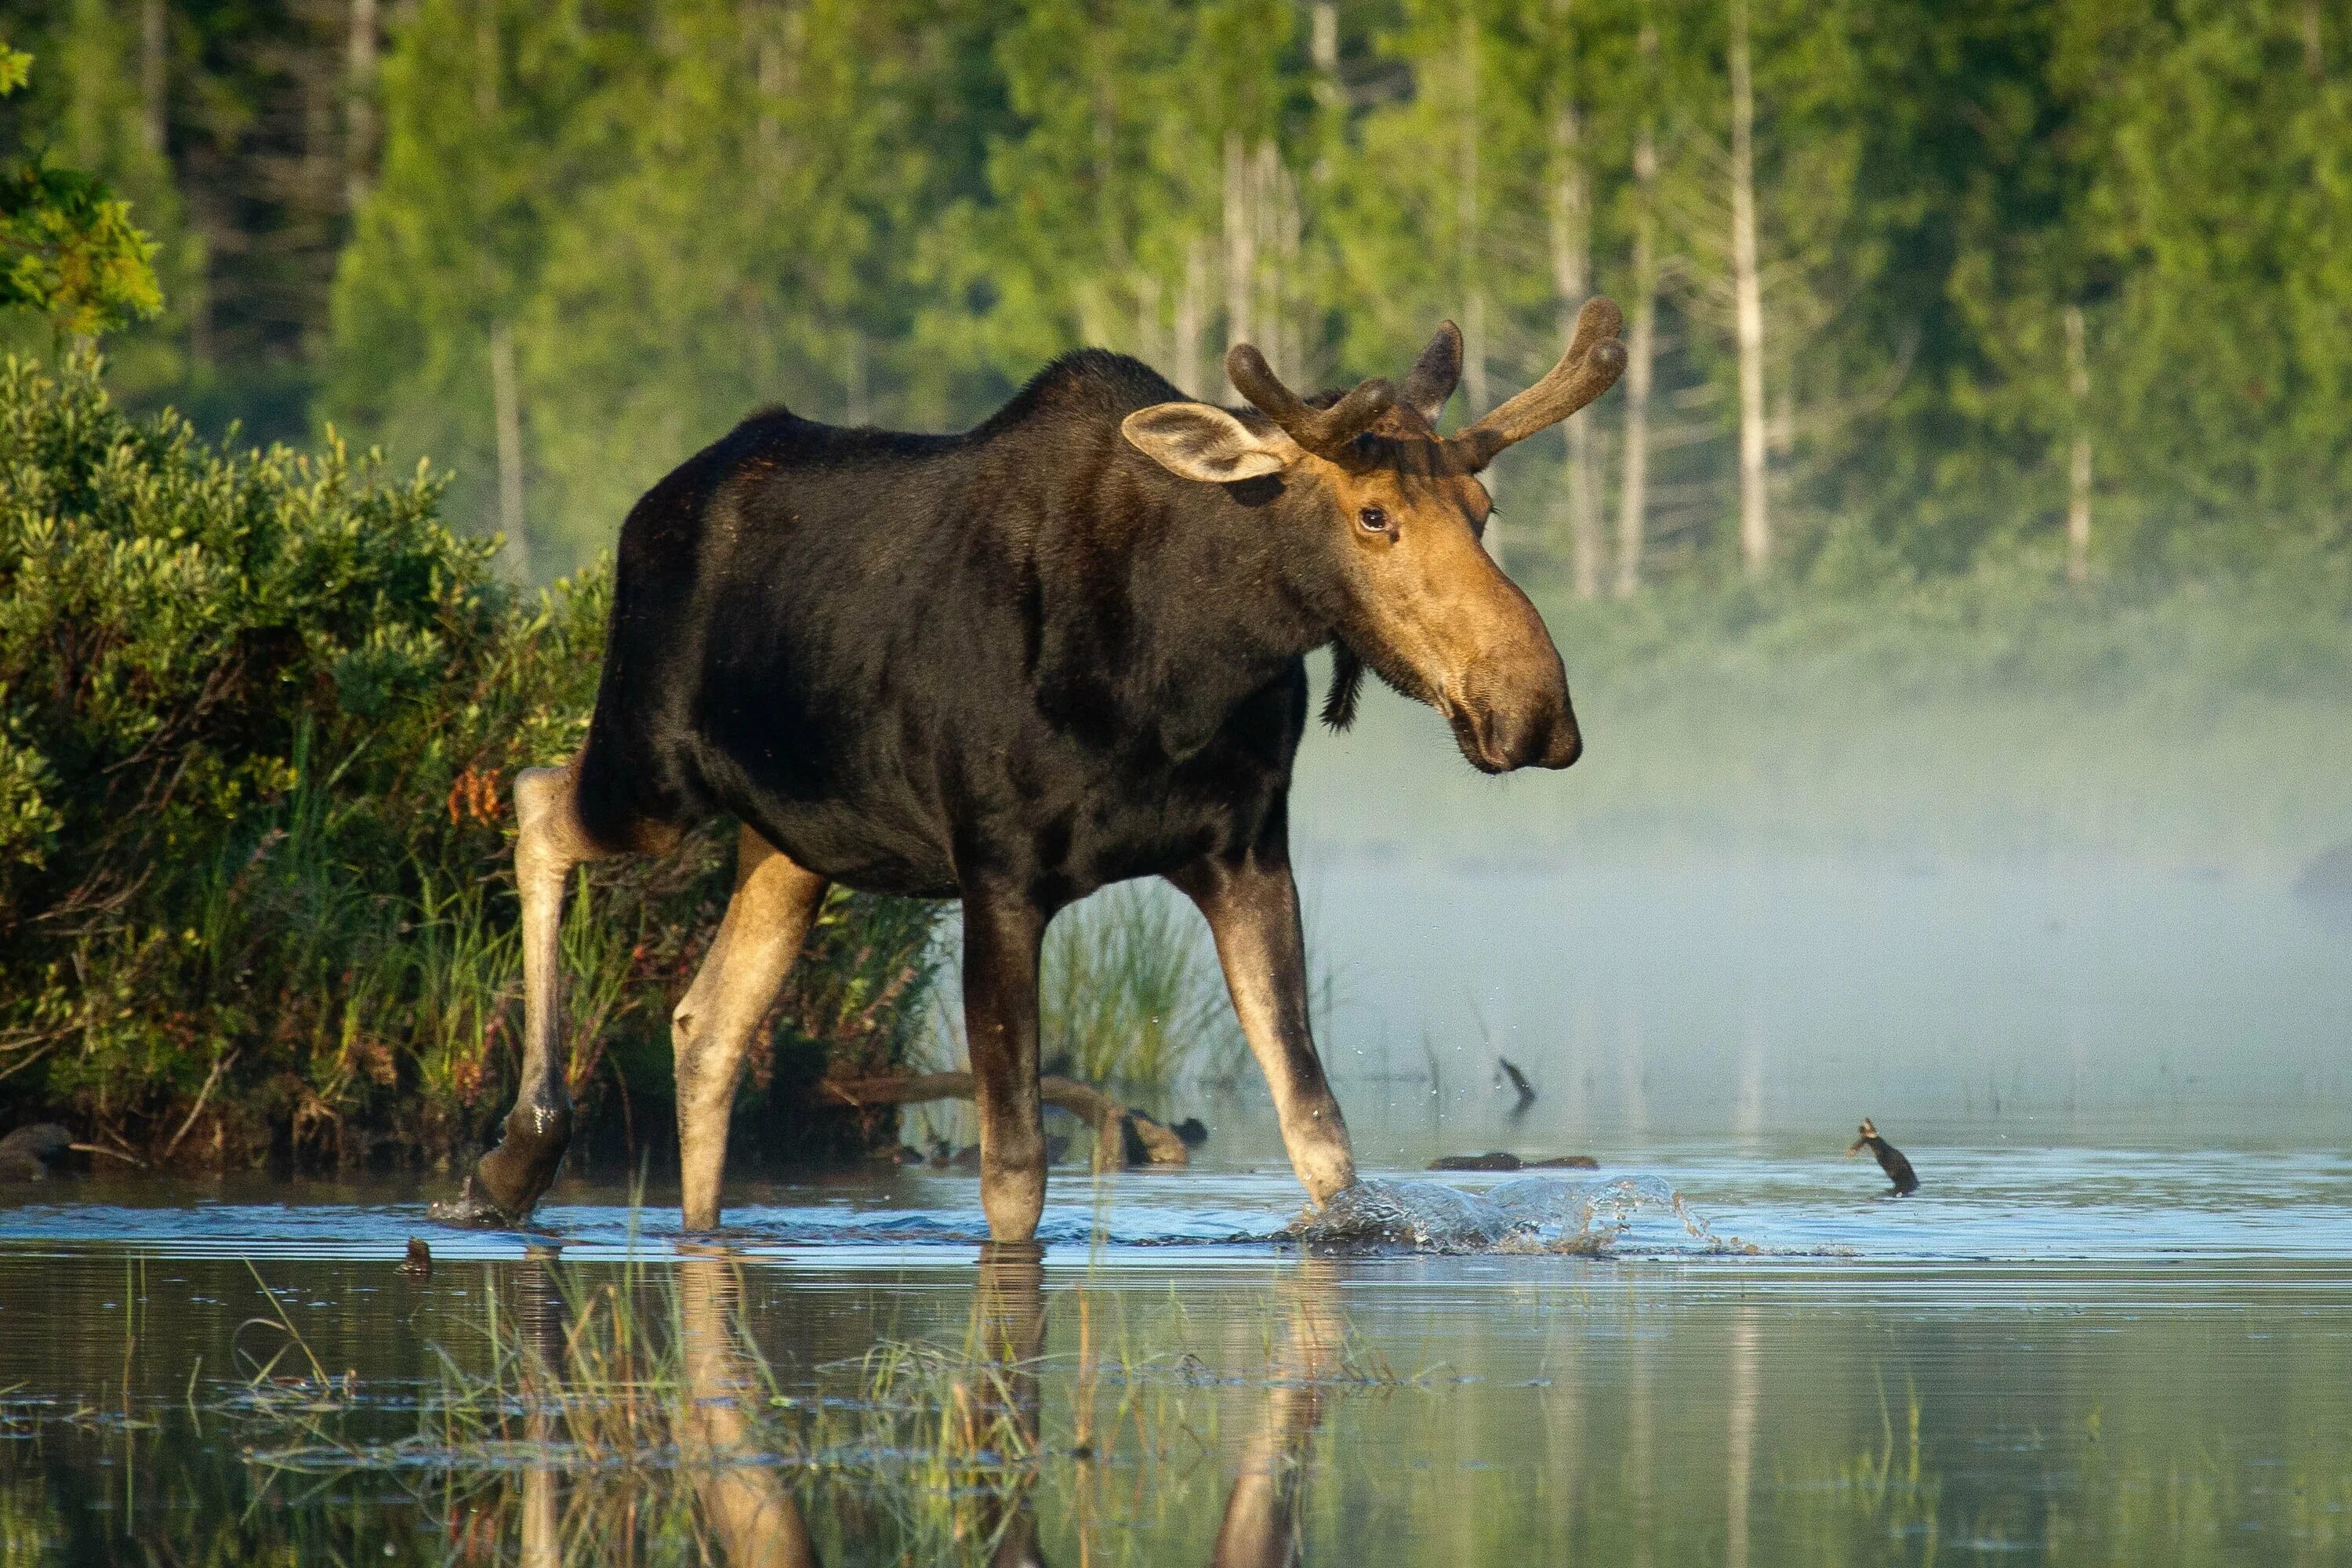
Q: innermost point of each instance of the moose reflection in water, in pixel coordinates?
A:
(742, 1496)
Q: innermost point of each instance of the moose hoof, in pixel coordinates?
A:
(508, 1181)
(469, 1210)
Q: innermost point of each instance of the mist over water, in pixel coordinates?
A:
(1765, 928)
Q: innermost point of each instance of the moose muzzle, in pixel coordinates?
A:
(1513, 712)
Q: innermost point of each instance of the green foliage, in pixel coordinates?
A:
(559, 248)
(67, 247)
(256, 718)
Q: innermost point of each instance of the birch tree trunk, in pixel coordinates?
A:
(1747, 299)
(2078, 467)
(1241, 243)
(506, 413)
(1191, 304)
(359, 102)
(1642, 350)
(153, 61)
(1465, 217)
(1323, 52)
(1572, 271)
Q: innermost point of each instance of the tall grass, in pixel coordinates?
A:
(1130, 994)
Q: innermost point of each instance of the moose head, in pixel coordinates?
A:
(1384, 520)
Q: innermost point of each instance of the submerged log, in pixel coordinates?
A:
(1500, 1160)
(1122, 1137)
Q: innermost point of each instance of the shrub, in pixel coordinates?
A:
(257, 718)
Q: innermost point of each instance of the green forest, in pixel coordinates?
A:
(1974, 351)
(2057, 289)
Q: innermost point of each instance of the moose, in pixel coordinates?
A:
(1063, 649)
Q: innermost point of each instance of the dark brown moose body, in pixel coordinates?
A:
(1063, 649)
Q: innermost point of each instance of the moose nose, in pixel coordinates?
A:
(1500, 740)
(1567, 744)
(1552, 741)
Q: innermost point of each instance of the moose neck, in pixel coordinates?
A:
(1179, 589)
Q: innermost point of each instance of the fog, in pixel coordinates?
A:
(2030, 918)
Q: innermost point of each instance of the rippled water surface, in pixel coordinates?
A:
(1712, 1353)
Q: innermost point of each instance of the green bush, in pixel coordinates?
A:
(257, 718)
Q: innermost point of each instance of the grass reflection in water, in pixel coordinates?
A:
(703, 1408)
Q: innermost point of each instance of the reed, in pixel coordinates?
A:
(1131, 994)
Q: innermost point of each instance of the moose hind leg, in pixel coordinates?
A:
(549, 842)
(1252, 906)
(775, 902)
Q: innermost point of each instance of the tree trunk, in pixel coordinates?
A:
(1241, 243)
(1273, 205)
(359, 104)
(1465, 218)
(2314, 58)
(1572, 271)
(1191, 304)
(2078, 468)
(1755, 518)
(506, 412)
(1640, 368)
(153, 64)
(1641, 365)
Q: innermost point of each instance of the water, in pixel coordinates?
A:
(2067, 1353)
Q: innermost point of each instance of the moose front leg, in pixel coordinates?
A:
(549, 842)
(1002, 935)
(1252, 906)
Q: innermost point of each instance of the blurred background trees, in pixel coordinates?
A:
(2064, 285)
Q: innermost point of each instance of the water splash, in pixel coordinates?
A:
(1557, 1215)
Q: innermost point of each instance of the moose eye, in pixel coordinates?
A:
(1374, 519)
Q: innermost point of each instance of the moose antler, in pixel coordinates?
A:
(1322, 431)
(1594, 360)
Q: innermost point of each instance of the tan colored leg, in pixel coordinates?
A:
(549, 842)
(749, 1506)
(775, 903)
(1253, 911)
(1260, 1528)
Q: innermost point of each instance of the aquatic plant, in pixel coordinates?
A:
(258, 714)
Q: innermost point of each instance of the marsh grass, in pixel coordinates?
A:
(606, 1394)
(1131, 994)
(634, 1418)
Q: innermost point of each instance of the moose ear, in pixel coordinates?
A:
(1436, 373)
(1195, 441)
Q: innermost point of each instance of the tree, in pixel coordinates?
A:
(69, 249)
